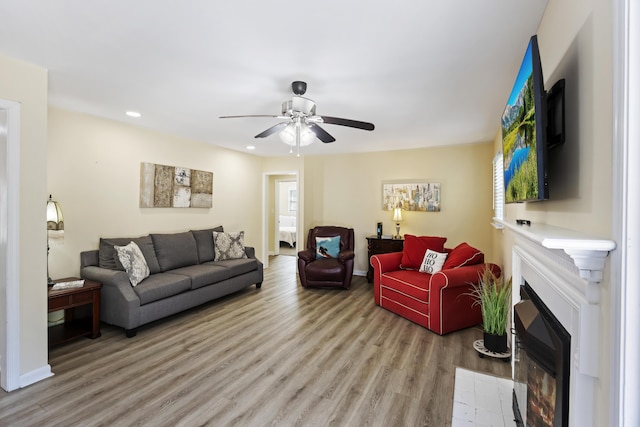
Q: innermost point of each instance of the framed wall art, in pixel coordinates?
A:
(419, 196)
(174, 187)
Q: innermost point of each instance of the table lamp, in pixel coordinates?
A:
(397, 218)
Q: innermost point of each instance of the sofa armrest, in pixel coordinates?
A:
(346, 255)
(250, 251)
(450, 300)
(307, 255)
(460, 277)
(119, 304)
(383, 263)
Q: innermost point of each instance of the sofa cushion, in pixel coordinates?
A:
(204, 274)
(415, 248)
(133, 261)
(160, 286)
(327, 247)
(204, 242)
(107, 257)
(175, 250)
(229, 245)
(236, 267)
(432, 262)
(462, 255)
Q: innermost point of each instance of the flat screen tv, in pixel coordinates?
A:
(524, 142)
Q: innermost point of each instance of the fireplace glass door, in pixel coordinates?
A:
(541, 358)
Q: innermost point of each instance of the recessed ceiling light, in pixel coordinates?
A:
(133, 114)
(251, 147)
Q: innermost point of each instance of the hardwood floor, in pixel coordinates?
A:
(280, 355)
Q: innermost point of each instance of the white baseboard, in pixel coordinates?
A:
(359, 272)
(35, 376)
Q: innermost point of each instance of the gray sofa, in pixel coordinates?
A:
(183, 274)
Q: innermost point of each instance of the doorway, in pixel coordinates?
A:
(281, 205)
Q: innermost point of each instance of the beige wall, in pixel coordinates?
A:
(575, 40)
(94, 172)
(27, 85)
(346, 190)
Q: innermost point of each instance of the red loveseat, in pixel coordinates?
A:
(441, 302)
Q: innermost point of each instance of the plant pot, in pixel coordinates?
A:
(495, 343)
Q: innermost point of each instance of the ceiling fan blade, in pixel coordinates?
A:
(322, 134)
(347, 122)
(272, 130)
(249, 115)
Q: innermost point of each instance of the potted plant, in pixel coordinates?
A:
(494, 296)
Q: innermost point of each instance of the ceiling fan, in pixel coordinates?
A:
(302, 125)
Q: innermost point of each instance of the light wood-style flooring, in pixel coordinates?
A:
(276, 356)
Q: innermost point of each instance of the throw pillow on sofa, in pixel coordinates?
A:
(204, 242)
(432, 262)
(108, 258)
(416, 246)
(133, 261)
(462, 255)
(229, 245)
(175, 250)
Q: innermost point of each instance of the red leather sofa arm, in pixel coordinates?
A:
(461, 276)
(383, 263)
(450, 300)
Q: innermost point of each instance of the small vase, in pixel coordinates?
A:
(495, 343)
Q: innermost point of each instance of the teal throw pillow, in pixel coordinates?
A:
(327, 247)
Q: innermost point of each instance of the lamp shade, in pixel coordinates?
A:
(288, 135)
(55, 220)
(397, 214)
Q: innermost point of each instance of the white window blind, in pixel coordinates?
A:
(498, 186)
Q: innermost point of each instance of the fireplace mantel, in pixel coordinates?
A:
(587, 252)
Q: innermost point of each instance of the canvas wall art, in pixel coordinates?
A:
(164, 186)
(411, 196)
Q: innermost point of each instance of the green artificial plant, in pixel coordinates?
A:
(494, 297)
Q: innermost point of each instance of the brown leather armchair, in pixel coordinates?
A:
(331, 271)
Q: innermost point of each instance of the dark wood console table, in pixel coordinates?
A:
(381, 246)
(68, 300)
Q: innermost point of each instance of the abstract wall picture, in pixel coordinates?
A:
(411, 196)
(164, 186)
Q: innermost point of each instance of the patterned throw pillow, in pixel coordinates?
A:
(432, 262)
(327, 247)
(131, 258)
(229, 245)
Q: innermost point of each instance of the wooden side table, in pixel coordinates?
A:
(68, 300)
(381, 246)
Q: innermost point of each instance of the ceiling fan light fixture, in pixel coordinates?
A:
(288, 135)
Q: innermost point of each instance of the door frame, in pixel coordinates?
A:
(10, 250)
(267, 196)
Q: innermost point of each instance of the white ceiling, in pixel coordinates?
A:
(425, 72)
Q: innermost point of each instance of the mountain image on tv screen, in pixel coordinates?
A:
(519, 137)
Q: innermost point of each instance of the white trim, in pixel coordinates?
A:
(625, 274)
(35, 376)
(9, 230)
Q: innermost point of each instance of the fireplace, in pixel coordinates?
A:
(562, 269)
(541, 364)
